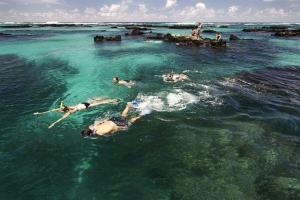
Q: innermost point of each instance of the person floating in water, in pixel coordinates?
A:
(218, 37)
(68, 110)
(170, 77)
(126, 83)
(112, 125)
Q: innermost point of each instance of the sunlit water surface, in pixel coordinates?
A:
(230, 132)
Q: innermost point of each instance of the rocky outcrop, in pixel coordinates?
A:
(287, 33)
(5, 34)
(135, 32)
(280, 31)
(157, 36)
(137, 27)
(175, 26)
(16, 26)
(188, 41)
(233, 37)
(267, 29)
(218, 44)
(101, 38)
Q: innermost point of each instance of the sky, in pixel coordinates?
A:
(152, 11)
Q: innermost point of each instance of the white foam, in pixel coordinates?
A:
(166, 101)
(154, 41)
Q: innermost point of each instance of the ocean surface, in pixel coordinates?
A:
(231, 132)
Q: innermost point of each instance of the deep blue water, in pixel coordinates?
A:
(230, 132)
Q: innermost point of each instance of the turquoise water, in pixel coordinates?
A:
(225, 134)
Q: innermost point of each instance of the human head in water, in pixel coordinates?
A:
(116, 79)
(87, 133)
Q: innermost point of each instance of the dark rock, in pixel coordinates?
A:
(233, 37)
(5, 34)
(64, 25)
(114, 27)
(287, 33)
(175, 26)
(16, 26)
(157, 36)
(137, 27)
(135, 32)
(209, 31)
(223, 26)
(101, 38)
(267, 29)
(218, 44)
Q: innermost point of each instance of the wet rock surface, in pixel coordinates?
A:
(233, 37)
(281, 31)
(101, 38)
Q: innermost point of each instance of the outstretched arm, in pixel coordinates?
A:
(62, 118)
(134, 119)
(40, 113)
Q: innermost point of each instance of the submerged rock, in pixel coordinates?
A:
(209, 31)
(101, 38)
(233, 37)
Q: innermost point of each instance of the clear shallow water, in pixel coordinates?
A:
(232, 132)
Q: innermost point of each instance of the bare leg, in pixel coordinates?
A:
(126, 110)
(63, 117)
(103, 101)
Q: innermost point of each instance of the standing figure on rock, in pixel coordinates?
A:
(196, 33)
(199, 30)
(218, 36)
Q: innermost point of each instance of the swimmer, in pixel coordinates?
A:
(68, 110)
(175, 77)
(126, 83)
(112, 125)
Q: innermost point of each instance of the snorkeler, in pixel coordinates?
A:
(126, 83)
(112, 125)
(68, 110)
(170, 77)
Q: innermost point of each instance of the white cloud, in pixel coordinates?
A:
(90, 11)
(143, 8)
(232, 10)
(125, 10)
(37, 1)
(270, 14)
(197, 12)
(170, 3)
(201, 6)
(115, 10)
